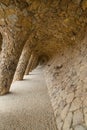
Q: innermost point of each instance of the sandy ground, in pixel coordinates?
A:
(28, 106)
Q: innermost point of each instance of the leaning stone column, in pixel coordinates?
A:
(34, 63)
(29, 64)
(9, 58)
(16, 31)
(23, 61)
(1, 42)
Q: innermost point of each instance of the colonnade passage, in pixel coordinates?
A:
(43, 64)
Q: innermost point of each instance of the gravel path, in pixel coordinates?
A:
(27, 107)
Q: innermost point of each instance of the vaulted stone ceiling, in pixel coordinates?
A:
(59, 22)
(52, 22)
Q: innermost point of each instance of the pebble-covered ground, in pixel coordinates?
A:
(28, 106)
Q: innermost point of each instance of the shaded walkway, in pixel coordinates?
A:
(28, 106)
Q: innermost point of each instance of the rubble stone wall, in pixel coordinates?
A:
(66, 76)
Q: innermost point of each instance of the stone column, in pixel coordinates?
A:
(16, 31)
(1, 42)
(23, 61)
(34, 63)
(29, 64)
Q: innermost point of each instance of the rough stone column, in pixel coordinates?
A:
(23, 61)
(9, 58)
(16, 30)
(1, 42)
(29, 64)
(34, 63)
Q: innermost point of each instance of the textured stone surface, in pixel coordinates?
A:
(52, 23)
(78, 117)
(57, 29)
(34, 63)
(67, 86)
(15, 27)
(1, 41)
(29, 64)
(79, 127)
(23, 61)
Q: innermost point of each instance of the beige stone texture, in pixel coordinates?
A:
(78, 117)
(56, 29)
(1, 41)
(16, 28)
(67, 85)
(23, 61)
(67, 122)
(29, 64)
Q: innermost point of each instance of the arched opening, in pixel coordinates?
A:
(43, 59)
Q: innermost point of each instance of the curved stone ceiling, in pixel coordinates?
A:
(58, 22)
(55, 23)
